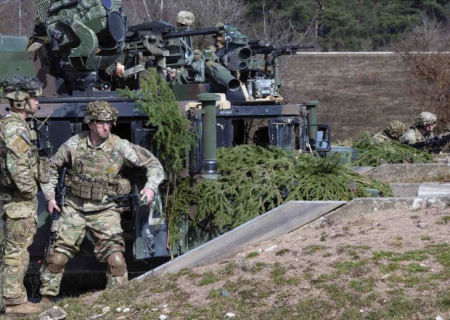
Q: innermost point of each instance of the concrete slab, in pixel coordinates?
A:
(363, 170)
(272, 224)
(401, 190)
(366, 206)
(434, 189)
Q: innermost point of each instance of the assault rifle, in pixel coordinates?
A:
(61, 189)
(432, 145)
(60, 197)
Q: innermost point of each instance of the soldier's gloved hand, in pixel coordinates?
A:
(51, 205)
(147, 196)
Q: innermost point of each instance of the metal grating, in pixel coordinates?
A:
(42, 10)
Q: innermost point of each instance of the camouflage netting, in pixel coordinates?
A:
(100, 110)
(395, 129)
(21, 83)
(254, 180)
(372, 154)
(425, 119)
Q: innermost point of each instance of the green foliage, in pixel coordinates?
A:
(372, 25)
(443, 299)
(252, 254)
(342, 25)
(363, 285)
(254, 180)
(208, 278)
(278, 273)
(375, 154)
(172, 135)
(312, 248)
(173, 138)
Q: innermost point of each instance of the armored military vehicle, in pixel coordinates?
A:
(84, 50)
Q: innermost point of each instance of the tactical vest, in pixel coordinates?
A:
(96, 174)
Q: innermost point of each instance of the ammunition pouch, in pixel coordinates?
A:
(43, 170)
(87, 187)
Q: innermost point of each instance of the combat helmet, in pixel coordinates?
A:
(395, 129)
(185, 18)
(220, 32)
(100, 110)
(19, 88)
(425, 119)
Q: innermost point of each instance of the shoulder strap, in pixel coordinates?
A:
(4, 121)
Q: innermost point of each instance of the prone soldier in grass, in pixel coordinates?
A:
(94, 161)
(393, 131)
(422, 130)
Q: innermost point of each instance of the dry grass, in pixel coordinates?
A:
(380, 266)
(356, 92)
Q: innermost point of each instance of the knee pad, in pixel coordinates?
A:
(116, 264)
(57, 262)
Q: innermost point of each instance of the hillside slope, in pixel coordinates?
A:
(356, 91)
(379, 265)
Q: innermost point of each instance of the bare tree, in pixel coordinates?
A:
(425, 51)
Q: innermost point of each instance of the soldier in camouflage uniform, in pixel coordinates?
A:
(393, 131)
(422, 130)
(219, 48)
(94, 160)
(185, 19)
(18, 187)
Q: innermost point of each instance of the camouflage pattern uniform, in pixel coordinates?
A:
(393, 131)
(81, 212)
(217, 48)
(185, 18)
(18, 188)
(413, 135)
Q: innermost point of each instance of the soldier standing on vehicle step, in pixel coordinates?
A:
(422, 130)
(18, 188)
(94, 160)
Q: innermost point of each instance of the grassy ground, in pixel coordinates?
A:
(381, 266)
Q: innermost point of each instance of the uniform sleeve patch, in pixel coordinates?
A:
(18, 145)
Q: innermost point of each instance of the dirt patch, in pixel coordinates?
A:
(316, 249)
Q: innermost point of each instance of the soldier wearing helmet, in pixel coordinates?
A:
(185, 19)
(393, 131)
(94, 160)
(18, 188)
(422, 130)
(219, 46)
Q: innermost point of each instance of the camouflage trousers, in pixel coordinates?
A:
(104, 228)
(19, 227)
